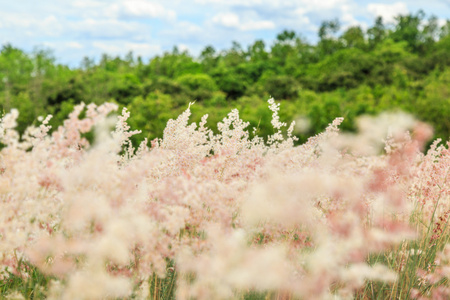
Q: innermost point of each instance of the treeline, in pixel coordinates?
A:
(348, 72)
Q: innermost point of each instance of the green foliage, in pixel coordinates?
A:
(377, 33)
(61, 114)
(434, 104)
(125, 88)
(165, 86)
(173, 65)
(200, 86)
(29, 282)
(233, 83)
(156, 107)
(27, 110)
(354, 37)
(280, 86)
(346, 68)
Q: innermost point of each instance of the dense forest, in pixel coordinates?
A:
(348, 72)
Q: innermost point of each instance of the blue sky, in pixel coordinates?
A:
(77, 28)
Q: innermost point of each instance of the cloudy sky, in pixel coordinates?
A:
(77, 28)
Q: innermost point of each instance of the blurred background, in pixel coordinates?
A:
(320, 59)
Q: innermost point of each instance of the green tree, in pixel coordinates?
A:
(377, 33)
(353, 37)
(234, 84)
(150, 114)
(280, 86)
(434, 104)
(201, 86)
(208, 58)
(407, 30)
(174, 64)
(16, 69)
(257, 52)
(328, 43)
(346, 68)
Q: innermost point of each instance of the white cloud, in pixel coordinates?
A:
(441, 22)
(87, 4)
(307, 5)
(227, 19)
(114, 9)
(348, 16)
(143, 8)
(183, 47)
(11, 21)
(299, 15)
(183, 32)
(187, 29)
(388, 11)
(318, 5)
(231, 2)
(50, 25)
(74, 45)
(258, 25)
(65, 46)
(16, 24)
(231, 20)
(108, 28)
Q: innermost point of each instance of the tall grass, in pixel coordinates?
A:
(199, 215)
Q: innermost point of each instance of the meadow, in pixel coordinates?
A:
(227, 215)
(339, 189)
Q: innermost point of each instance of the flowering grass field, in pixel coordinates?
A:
(200, 215)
